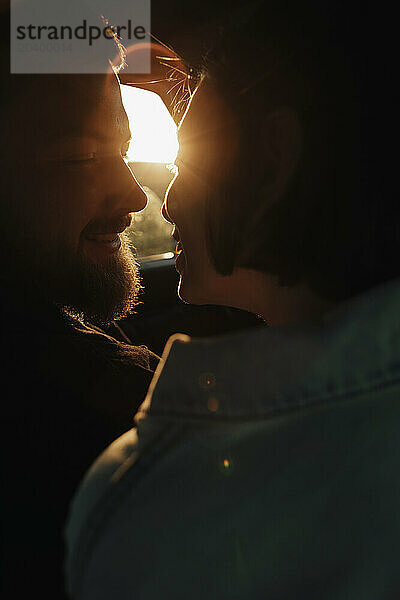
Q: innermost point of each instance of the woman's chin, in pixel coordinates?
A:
(192, 285)
(180, 262)
(183, 292)
(187, 292)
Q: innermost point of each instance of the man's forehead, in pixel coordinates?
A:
(89, 93)
(108, 116)
(73, 104)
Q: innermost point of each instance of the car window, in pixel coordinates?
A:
(151, 154)
(150, 233)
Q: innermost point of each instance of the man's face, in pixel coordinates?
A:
(73, 194)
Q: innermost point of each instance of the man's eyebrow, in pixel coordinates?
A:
(123, 135)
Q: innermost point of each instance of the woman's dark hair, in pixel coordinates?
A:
(337, 226)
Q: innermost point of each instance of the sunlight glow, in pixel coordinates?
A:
(154, 134)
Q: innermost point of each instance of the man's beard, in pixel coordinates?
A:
(44, 275)
(101, 292)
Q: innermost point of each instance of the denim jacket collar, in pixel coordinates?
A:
(266, 370)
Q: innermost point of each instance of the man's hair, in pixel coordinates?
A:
(15, 84)
(337, 226)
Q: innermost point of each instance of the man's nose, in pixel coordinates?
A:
(125, 190)
(138, 195)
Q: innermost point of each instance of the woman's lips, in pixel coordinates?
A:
(180, 262)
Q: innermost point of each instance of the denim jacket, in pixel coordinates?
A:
(263, 464)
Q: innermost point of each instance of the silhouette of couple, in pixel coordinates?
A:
(257, 464)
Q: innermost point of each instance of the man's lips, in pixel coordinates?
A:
(104, 238)
(108, 243)
(107, 229)
(105, 232)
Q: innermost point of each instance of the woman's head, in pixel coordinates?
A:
(208, 148)
(275, 158)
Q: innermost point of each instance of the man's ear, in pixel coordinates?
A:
(282, 146)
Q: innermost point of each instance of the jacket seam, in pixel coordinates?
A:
(287, 406)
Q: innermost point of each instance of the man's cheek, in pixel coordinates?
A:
(77, 206)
